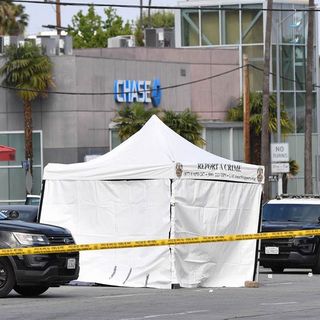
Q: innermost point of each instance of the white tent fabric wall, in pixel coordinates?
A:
(204, 208)
(114, 211)
(157, 185)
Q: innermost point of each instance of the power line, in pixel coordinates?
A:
(132, 6)
(112, 93)
(162, 88)
(282, 77)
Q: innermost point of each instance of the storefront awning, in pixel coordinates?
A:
(7, 153)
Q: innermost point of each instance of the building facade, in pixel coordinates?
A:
(208, 24)
(75, 121)
(204, 74)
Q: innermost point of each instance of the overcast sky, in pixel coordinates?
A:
(45, 14)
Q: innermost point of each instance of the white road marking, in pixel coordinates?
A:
(277, 284)
(122, 295)
(277, 303)
(165, 315)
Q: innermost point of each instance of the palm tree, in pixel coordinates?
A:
(13, 20)
(6, 12)
(256, 106)
(131, 119)
(30, 74)
(21, 21)
(186, 124)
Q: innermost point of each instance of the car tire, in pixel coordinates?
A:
(316, 267)
(277, 269)
(30, 291)
(7, 277)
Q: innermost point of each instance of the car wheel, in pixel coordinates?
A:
(7, 278)
(277, 269)
(30, 291)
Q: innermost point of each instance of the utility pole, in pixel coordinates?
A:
(149, 14)
(58, 17)
(246, 109)
(141, 4)
(265, 141)
(308, 187)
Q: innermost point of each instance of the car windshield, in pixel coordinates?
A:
(33, 200)
(291, 212)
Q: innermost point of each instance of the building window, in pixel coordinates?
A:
(292, 26)
(12, 175)
(255, 57)
(114, 139)
(300, 67)
(210, 27)
(230, 25)
(190, 27)
(225, 142)
(245, 28)
(287, 99)
(300, 111)
(301, 107)
(252, 24)
(286, 61)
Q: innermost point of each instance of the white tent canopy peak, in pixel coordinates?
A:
(156, 151)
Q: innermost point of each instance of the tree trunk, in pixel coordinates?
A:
(309, 104)
(265, 141)
(255, 150)
(28, 132)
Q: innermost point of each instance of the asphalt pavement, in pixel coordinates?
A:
(291, 295)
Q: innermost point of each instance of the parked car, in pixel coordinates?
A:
(288, 213)
(32, 199)
(27, 213)
(32, 275)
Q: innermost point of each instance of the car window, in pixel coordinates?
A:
(291, 212)
(2, 216)
(34, 201)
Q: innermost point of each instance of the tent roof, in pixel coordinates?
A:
(7, 153)
(156, 152)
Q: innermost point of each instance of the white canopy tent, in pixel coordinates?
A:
(157, 185)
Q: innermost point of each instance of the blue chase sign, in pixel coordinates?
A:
(144, 91)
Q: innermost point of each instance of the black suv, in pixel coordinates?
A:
(31, 275)
(286, 214)
(27, 213)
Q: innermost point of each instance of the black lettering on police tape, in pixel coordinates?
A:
(160, 242)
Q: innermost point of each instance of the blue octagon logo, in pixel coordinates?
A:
(144, 91)
(156, 92)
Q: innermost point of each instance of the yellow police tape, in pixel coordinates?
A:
(153, 243)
